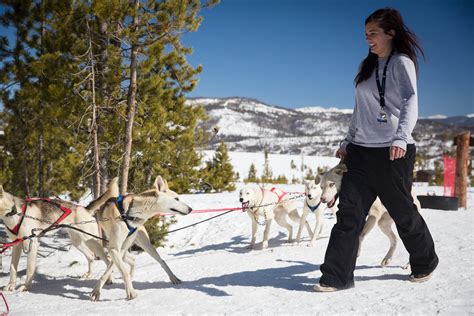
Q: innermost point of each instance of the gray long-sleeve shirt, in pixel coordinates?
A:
(401, 107)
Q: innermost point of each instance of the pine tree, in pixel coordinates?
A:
(281, 179)
(293, 165)
(267, 174)
(219, 173)
(252, 175)
(38, 106)
(309, 174)
(96, 89)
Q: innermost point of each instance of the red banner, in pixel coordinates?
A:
(449, 175)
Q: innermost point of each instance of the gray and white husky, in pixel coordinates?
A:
(138, 209)
(39, 215)
(269, 204)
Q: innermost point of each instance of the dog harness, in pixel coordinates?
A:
(313, 208)
(124, 216)
(280, 197)
(16, 229)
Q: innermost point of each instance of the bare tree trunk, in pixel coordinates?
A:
(26, 178)
(103, 94)
(95, 149)
(41, 159)
(462, 160)
(131, 107)
(104, 171)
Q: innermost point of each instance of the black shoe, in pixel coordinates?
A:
(321, 287)
(324, 288)
(419, 278)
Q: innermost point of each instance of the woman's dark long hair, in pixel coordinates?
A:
(404, 41)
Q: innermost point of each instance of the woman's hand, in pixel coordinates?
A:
(341, 153)
(396, 152)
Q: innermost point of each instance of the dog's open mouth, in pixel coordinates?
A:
(179, 212)
(245, 206)
(333, 201)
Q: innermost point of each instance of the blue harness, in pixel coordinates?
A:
(124, 216)
(313, 208)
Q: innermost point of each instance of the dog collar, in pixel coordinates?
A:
(123, 215)
(313, 208)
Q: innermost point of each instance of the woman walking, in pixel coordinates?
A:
(379, 152)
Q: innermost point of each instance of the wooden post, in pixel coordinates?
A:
(462, 158)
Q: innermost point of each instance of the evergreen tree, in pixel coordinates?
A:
(293, 165)
(219, 173)
(38, 106)
(79, 76)
(294, 180)
(309, 174)
(267, 174)
(281, 179)
(252, 175)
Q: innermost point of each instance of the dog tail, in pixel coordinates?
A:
(112, 192)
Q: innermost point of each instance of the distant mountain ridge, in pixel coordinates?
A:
(250, 125)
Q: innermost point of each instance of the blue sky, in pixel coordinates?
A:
(296, 53)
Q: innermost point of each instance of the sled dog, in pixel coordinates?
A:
(312, 204)
(137, 209)
(378, 214)
(39, 215)
(269, 204)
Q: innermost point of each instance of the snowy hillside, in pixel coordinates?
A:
(249, 125)
(220, 276)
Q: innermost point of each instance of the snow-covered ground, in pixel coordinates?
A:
(220, 276)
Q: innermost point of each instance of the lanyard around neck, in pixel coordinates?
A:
(381, 86)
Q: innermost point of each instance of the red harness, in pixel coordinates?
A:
(280, 197)
(14, 230)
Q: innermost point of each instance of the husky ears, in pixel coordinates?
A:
(340, 168)
(317, 179)
(113, 187)
(160, 184)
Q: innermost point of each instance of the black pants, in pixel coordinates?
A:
(371, 174)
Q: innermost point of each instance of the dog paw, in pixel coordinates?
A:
(109, 281)
(87, 275)
(23, 288)
(131, 295)
(386, 262)
(10, 287)
(95, 295)
(175, 280)
(265, 245)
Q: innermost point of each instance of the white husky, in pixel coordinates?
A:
(312, 204)
(378, 214)
(269, 204)
(137, 208)
(39, 215)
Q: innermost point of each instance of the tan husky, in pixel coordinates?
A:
(269, 204)
(136, 209)
(378, 214)
(39, 215)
